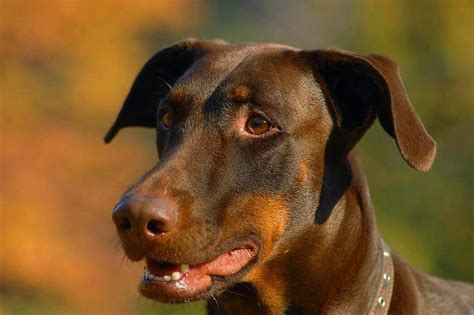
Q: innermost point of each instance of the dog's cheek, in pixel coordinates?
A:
(262, 215)
(266, 216)
(269, 215)
(302, 173)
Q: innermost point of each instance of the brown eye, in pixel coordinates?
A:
(166, 118)
(257, 125)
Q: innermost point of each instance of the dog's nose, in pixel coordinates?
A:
(149, 216)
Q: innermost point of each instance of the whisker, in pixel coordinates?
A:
(173, 79)
(166, 83)
(117, 248)
(217, 304)
(126, 262)
(238, 294)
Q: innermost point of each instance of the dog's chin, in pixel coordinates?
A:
(180, 282)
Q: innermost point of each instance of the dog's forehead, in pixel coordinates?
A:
(198, 83)
(239, 72)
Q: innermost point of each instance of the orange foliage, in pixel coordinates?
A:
(65, 68)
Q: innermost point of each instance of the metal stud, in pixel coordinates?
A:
(386, 277)
(381, 301)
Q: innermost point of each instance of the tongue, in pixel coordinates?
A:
(228, 263)
(224, 265)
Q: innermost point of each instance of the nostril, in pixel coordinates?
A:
(123, 223)
(122, 215)
(155, 227)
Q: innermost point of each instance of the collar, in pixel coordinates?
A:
(381, 302)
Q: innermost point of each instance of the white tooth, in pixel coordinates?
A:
(176, 275)
(148, 276)
(160, 278)
(184, 268)
(167, 278)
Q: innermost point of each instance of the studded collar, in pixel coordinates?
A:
(381, 302)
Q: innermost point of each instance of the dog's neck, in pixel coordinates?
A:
(319, 269)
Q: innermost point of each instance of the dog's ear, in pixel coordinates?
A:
(360, 88)
(154, 81)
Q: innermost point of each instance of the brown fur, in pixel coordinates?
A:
(299, 192)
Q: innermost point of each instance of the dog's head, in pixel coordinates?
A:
(248, 137)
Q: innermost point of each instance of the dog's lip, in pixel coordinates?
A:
(180, 282)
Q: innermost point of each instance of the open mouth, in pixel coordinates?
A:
(181, 282)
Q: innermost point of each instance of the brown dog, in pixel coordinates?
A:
(258, 203)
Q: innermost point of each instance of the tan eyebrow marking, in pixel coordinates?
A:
(177, 95)
(241, 93)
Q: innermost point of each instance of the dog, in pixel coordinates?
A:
(258, 203)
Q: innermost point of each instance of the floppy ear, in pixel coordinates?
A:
(154, 81)
(359, 89)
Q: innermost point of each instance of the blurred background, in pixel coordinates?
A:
(66, 66)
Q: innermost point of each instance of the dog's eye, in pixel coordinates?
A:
(166, 118)
(257, 125)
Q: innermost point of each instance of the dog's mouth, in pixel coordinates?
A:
(181, 282)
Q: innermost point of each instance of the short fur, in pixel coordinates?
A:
(299, 193)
